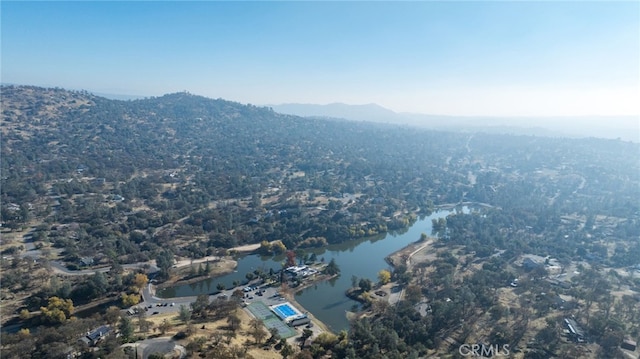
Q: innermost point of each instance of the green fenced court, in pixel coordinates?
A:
(270, 320)
(283, 329)
(260, 310)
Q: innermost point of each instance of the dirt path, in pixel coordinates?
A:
(425, 245)
(186, 262)
(218, 267)
(405, 254)
(246, 248)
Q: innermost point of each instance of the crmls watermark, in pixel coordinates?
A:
(483, 350)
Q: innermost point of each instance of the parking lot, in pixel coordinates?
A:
(152, 304)
(254, 293)
(267, 295)
(158, 308)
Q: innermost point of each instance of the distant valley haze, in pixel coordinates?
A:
(626, 128)
(565, 68)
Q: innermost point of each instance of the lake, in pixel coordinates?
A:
(325, 300)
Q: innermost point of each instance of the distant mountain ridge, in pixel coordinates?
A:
(368, 112)
(626, 128)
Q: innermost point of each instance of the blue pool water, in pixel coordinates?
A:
(284, 311)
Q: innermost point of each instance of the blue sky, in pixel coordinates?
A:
(459, 58)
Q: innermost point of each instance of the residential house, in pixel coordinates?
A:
(532, 261)
(93, 337)
(87, 261)
(575, 331)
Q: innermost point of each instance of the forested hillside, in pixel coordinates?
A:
(91, 182)
(129, 173)
(206, 168)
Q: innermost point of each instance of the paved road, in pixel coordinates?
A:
(155, 304)
(162, 345)
(59, 268)
(269, 296)
(158, 345)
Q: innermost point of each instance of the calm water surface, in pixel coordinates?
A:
(326, 300)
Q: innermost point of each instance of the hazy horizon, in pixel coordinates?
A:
(622, 127)
(446, 58)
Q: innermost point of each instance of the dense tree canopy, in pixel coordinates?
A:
(120, 182)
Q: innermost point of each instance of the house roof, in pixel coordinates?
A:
(573, 327)
(98, 332)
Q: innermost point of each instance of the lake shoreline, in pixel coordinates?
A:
(403, 255)
(291, 297)
(228, 266)
(326, 299)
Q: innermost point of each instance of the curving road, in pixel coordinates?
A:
(59, 268)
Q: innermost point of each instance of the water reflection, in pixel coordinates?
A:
(362, 258)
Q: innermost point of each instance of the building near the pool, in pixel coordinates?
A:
(300, 321)
(289, 314)
(300, 271)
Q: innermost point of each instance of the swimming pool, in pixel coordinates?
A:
(285, 311)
